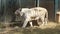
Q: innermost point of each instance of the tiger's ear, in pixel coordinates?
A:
(21, 13)
(15, 12)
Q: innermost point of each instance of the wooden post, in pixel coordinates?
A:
(37, 3)
(56, 8)
(58, 17)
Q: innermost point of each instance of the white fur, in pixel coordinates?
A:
(37, 12)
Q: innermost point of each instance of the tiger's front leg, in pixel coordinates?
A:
(27, 18)
(25, 22)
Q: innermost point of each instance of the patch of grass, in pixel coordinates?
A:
(2, 26)
(35, 31)
(55, 30)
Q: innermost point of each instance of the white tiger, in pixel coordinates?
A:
(37, 12)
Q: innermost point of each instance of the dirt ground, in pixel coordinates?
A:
(50, 28)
